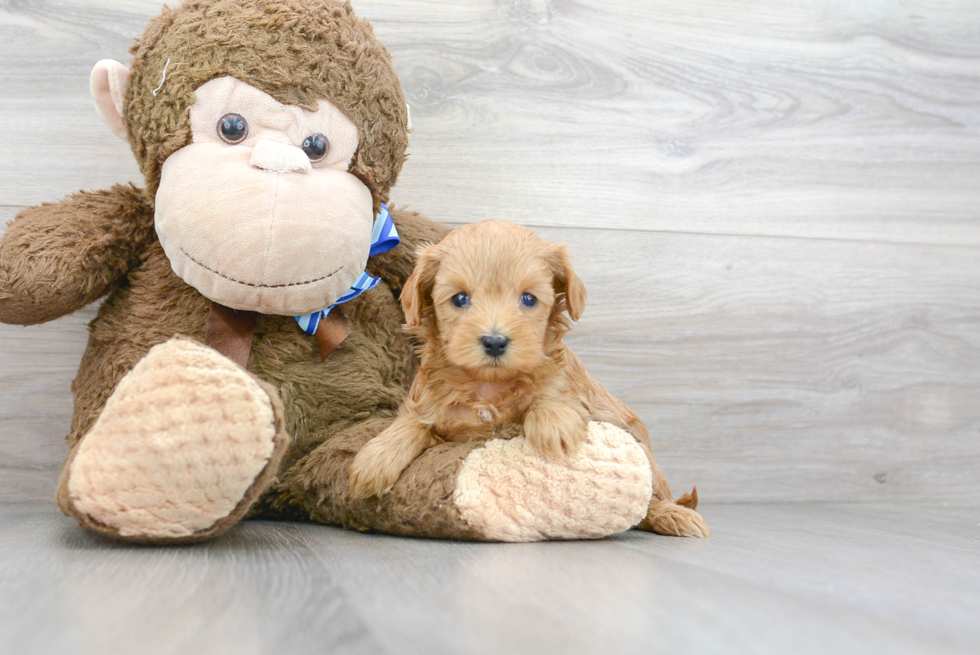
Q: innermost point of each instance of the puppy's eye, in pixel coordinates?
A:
(316, 147)
(232, 128)
(460, 300)
(527, 300)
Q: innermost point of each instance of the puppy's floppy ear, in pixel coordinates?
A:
(417, 293)
(567, 282)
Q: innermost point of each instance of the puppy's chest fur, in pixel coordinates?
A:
(462, 409)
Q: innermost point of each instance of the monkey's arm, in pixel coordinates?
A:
(415, 231)
(58, 257)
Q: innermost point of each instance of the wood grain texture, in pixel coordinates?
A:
(774, 208)
(849, 120)
(784, 369)
(865, 580)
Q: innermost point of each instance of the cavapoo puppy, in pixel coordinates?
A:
(489, 306)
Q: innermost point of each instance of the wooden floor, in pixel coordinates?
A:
(774, 579)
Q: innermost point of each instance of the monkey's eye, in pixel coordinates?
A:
(316, 147)
(232, 128)
(527, 300)
(460, 300)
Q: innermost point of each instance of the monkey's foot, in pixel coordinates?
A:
(187, 442)
(508, 491)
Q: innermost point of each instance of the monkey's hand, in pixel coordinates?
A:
(58, 257)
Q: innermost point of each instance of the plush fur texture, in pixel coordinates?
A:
(496, 279)
(62, 256)
(55, 258)
(362, 382)
(329, 53)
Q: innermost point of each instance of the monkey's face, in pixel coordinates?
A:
(259, 212)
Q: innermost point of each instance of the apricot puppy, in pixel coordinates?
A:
(489, 306)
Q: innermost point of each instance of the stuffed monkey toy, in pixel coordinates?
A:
(250, 339)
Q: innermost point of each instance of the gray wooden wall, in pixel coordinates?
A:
(775, 205)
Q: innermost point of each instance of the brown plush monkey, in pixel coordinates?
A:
(269, 133)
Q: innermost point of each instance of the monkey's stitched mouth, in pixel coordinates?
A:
(258, 286)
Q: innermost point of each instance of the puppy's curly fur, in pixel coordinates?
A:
(489, 306)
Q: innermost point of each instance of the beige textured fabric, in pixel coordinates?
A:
(179, 443)
(509, 492)
(292, 245)
(256, 225)
(277, 157)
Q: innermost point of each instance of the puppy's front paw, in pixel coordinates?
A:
(554, 429)
(376, 467)
(373, 472)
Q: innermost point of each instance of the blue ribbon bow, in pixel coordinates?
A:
(384, 237)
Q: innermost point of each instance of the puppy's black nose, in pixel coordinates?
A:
(495, 345)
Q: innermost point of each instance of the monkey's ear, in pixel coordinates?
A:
(417, 293)
(567, 282)
(109, 82)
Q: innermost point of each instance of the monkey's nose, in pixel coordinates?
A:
(279, 158)
(495, 345)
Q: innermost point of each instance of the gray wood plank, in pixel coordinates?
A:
(784, 369)
(787, 119)
(854, 121)
(766, 369)
(37, 365)
(256, 591)
(773, 579)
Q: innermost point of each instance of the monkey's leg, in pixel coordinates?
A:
(185, 445)
(664, 515)
(498, 490)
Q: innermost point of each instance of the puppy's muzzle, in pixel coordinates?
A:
(495, 345)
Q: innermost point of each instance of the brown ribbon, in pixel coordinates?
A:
(331, 332)
(230, 332)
